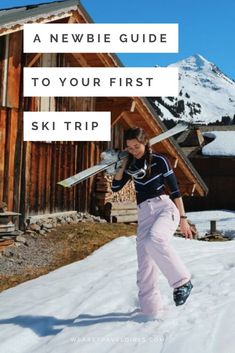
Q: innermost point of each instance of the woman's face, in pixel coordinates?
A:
(136, 148)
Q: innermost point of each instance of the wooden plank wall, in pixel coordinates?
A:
(15, 72)
(2, 52)
(11, 70)
(29, 171)
(10, 157)
(10, 125)
(53, 162)
(45, 164)
(88, 155)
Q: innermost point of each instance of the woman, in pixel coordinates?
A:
(158, 218)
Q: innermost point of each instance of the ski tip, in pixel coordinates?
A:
(64, 184)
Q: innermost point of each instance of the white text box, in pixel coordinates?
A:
(101, 82)
(101, 38)
(67, 126)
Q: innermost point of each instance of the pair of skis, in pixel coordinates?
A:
(111, 158)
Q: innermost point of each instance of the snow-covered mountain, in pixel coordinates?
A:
(205, 93)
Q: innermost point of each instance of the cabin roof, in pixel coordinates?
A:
(14, 18)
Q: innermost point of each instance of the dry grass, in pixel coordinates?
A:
(74, 242)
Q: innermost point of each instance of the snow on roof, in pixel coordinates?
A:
(222, 145)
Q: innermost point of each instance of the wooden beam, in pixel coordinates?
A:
(78, 16)
(32, 59)
(108, 60)
(130, 117)
(11, 173)
(175, 162)
(26, 185)
(3, 124)
(113, 104)
(115, 118)
(133, 106)
(72, 19)
(193, 189)
(147, 115)
(14, 70)
(80, 59)
(5, 71)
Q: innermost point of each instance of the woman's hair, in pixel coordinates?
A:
(140, 135)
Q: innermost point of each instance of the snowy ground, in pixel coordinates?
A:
(86, 306)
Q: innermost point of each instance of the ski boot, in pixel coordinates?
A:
(181, 293)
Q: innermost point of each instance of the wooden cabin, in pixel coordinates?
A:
(29, 171)
(217, 171)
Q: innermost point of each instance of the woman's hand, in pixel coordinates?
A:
(186, 229)
(124, 163)
(120, 170)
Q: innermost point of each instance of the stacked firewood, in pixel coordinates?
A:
(115, 207)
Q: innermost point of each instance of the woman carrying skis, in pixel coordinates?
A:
(158, 218)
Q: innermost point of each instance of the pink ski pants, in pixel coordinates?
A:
(158, 219)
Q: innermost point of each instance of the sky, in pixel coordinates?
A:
(206, 27)
(91, 305)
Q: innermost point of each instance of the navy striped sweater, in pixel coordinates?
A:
(153, 185)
